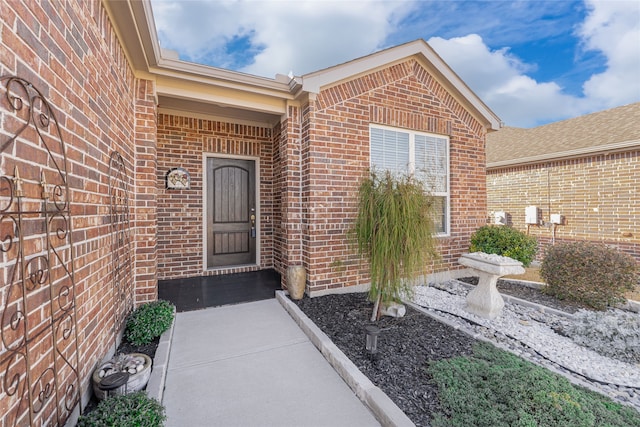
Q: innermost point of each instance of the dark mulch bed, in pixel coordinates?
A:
(126, 348)
(149, 349)
(409, 345)
(405, 347)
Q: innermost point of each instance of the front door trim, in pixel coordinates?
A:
(205, 192)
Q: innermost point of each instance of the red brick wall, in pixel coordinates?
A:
(335, 147)
(598, 196)
(145, 224)
(70, 52)
(279, 255)
(183, 142)
(311, 165)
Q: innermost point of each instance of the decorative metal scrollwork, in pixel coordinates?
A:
(120, 241)
(39, 360)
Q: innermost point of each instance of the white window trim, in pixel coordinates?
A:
(412, 166)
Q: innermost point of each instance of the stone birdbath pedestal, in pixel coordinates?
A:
(485, 300)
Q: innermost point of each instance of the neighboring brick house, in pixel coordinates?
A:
(121, 182)
(586, 169)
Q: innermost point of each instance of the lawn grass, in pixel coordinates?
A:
(494, 388)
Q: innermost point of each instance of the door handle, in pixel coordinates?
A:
(252, 218)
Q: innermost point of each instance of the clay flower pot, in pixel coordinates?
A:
(138, 365)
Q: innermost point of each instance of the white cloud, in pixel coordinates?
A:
(613, 28)
(309, 35)
(280, 36)
(500, 80)
(298, 36)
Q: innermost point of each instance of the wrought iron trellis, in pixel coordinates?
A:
(120, 241)
(39, 360)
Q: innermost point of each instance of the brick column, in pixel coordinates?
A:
(291, 203)
(145, 224)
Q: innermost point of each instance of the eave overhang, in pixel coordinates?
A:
(219, 92)
(211, 90)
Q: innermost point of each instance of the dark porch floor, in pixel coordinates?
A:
(195, 293)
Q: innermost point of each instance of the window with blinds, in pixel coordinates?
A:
(424, 155)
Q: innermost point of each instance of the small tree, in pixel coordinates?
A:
(394, 231)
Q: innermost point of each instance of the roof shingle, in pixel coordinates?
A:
(607, 130)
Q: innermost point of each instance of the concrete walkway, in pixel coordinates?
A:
(251, 365)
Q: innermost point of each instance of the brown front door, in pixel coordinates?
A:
(231, 213)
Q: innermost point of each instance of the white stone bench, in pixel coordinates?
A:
(485, 300)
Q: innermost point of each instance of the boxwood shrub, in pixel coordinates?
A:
(148, 322)
(590, 273)
(505, 241)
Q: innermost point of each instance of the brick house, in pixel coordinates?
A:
(310, 160)
(583, 171)
(117, 159)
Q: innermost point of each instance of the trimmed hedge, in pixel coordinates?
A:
(505, 241)
(148, 322)
(590, 273)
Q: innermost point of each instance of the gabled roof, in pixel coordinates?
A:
(314, 82)
(616, 129)
(210, 90)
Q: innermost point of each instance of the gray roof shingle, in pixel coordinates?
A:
(614, 129)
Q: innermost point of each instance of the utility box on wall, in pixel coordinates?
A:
(532, 215)
(500, 218)
(557, 219)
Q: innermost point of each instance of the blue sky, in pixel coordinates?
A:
(532, 62)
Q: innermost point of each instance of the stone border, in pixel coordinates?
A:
(155, 386)
(383, 408)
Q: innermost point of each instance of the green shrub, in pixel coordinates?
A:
(148, 322)
(135, 409)
(590, 273)
(504, 241)
(493, 388)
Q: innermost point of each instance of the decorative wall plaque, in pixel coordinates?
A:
(178, 179)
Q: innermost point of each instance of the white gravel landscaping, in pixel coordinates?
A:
(527, 331)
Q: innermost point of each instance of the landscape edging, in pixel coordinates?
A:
(383, 408)
(155, 386)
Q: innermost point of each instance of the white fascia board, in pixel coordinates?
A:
(313, 82)
(222, 96)
(569, 154)
(221, 77)
(135, 19)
